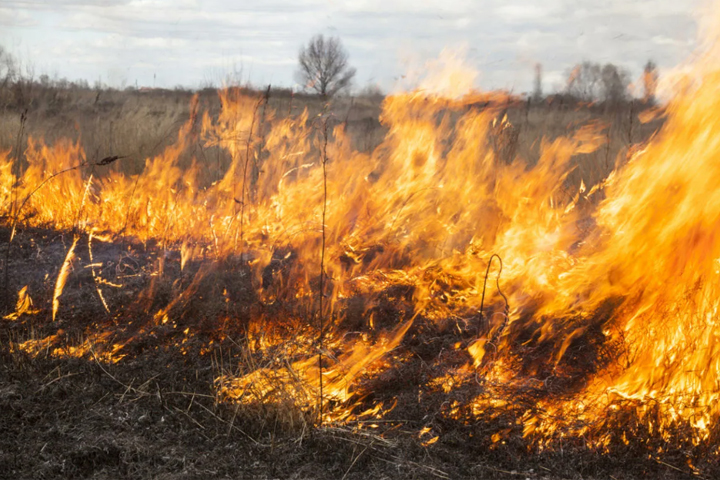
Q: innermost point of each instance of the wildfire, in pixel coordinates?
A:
(625, 266)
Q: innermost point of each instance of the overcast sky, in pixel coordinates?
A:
(191, 42)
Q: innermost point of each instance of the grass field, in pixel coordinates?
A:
(268, 286)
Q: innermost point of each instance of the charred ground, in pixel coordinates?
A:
(156, 412)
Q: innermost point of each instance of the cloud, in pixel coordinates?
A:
(178, 41)
(528, 13)
(15, 18)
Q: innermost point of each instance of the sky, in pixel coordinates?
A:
(193, 43)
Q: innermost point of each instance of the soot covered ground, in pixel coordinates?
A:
(155, 413)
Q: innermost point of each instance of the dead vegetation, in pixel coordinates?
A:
(153, 409)
(130, 382)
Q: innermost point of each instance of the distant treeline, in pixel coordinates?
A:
(588, 84)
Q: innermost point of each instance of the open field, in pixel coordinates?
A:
(266, 286)
(141, 124)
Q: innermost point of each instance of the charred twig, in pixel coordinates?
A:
(18, 146)
(234, 427)
(497, 282)
(506, 472)
(202, 427)
(13, 214)
(108, 160)
(67, 375)
(352, 464)
(673, 467)
(97, 362)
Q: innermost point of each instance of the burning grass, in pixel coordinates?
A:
(100, 395)
(441, 292)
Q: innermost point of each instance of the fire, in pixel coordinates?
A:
(24, 306)
(625, 266)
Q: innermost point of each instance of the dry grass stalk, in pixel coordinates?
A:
(94, 275)
(322, 266)
(62, 277)
(248, 145)
(260, 145)
(13, 213)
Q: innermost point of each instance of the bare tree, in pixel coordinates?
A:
(324, 66)
(650, 82)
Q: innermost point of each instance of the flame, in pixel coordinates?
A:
(24, 306)
(299, 382)
(624, 265)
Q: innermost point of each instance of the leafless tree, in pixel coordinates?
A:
(324, 66)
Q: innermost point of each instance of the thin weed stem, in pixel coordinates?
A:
(322, 268)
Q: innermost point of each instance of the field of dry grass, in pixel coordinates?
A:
(140, 124)
(71, 412)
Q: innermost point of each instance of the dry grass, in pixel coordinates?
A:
(140, 125)
(157, 414)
